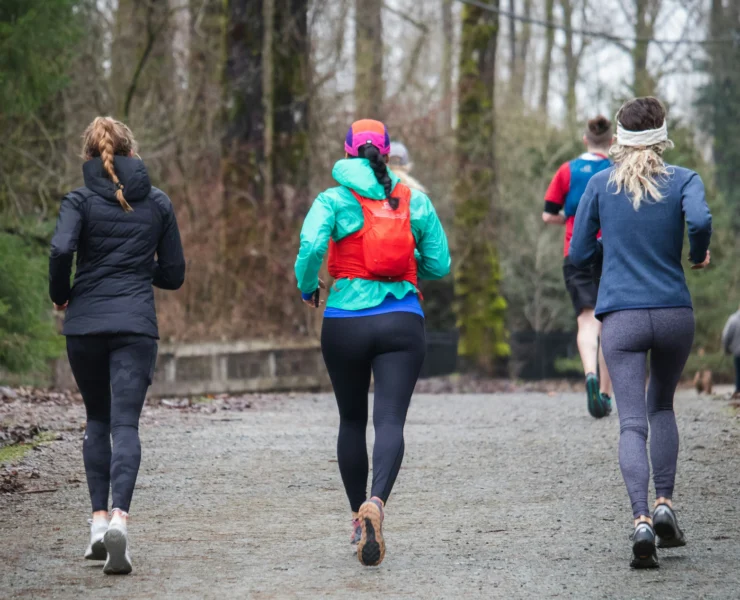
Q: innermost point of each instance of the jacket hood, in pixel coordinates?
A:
(131, 172)
(356, 174)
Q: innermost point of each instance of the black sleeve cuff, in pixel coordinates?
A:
(553, 207)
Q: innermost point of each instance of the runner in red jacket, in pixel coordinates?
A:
(564, 194)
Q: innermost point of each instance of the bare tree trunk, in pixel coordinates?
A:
(547, 59)
(447, 52)
(369, 85)
(141, 32)
(242, 146)
(572, 56)
(206, 38)
(268, 16)
(512, 43)
(265, 87)
(571, 63)
(291, 107)
(646, 14)
(520, 73)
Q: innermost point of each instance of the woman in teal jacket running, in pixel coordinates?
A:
(381, 237)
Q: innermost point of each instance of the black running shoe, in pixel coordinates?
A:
(596, 406)
(644, 554)
(666, 527)
(606, 402)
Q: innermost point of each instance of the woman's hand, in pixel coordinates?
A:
(61, 307)
(312, 302)
(704, 264)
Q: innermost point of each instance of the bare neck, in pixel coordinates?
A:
(595, 150)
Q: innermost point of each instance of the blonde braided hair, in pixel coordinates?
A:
(105, 137)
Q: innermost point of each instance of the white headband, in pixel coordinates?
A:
(649, 137)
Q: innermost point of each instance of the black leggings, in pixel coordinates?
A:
(113, 373)
(392, 346)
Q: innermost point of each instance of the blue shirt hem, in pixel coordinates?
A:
(409, 303)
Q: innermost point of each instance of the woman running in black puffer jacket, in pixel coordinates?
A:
(126, 239)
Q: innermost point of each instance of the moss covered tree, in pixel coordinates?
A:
(481, 309)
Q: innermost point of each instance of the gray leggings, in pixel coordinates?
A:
(627, 337)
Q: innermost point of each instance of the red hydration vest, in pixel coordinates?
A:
(383, 250)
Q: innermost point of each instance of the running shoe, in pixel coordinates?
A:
(596, 407)
(356, 534)
(606, 402)
(116, 544)
(96, 549)
(666, 527)
(371, 547)
(644, 554)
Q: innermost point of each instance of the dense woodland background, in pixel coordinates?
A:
(241, 107)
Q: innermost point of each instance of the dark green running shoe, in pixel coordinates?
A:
(606, 402)
(597, 408)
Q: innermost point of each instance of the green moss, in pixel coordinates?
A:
(14, 453)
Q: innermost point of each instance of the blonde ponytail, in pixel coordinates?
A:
(106, 137)
(642, 138)
(639, 171)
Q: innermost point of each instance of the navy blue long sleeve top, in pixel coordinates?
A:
(642, 248)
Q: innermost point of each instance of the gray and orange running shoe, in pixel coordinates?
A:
(371, 547)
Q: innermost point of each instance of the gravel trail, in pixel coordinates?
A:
(500, 496)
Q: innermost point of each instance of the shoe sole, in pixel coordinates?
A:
(667, 531)
(371, 547)
(649, 562)
(643, 555)
(96, 551)
(116, 545)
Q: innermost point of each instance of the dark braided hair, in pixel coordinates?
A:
(380, 169)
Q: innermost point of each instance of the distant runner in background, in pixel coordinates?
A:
(731, 345)
(564, 194)
(402, 165)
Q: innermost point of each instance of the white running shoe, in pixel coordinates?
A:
(116, 544)
(96, 549)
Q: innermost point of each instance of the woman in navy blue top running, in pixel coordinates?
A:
(640, 205)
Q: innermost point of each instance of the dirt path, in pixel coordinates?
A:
(507, 496)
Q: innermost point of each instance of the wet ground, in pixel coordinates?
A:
(500, 496)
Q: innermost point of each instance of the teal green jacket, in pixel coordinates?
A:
(335, 214)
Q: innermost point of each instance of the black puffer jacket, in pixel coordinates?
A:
(120, 255)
